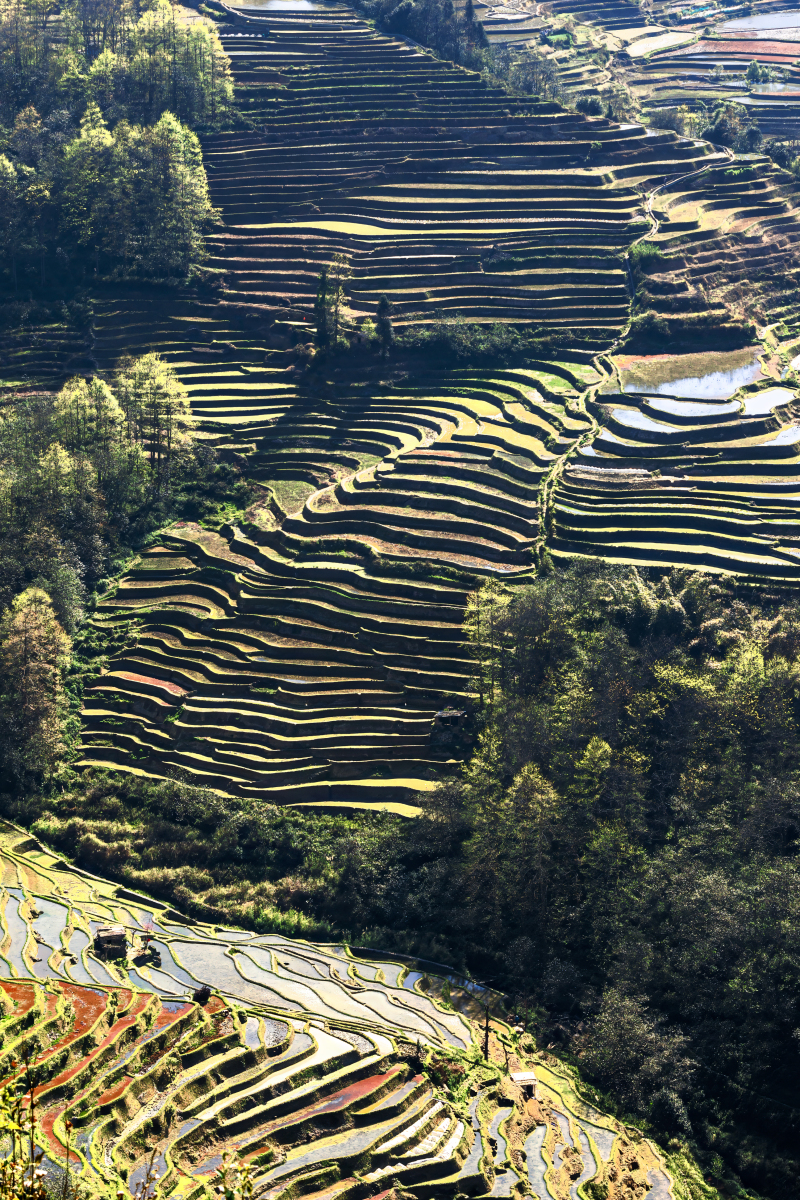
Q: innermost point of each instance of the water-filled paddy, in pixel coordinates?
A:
(589, 1165)
(638, 420)
(537, 1165)
(786, 437)
(706, 376)
(764, 402)
(763, 89)
(690, 408)
(789, 19)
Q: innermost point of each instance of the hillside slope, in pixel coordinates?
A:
(327, 1074)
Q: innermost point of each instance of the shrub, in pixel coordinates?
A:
(592, 106)
(644, 257)
(452, 340)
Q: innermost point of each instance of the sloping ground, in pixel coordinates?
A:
(42, 355)
(706, 484)
(445, 193)
(729, 239)
(321, 1071)
(302, 656)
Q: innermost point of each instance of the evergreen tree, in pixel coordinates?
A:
(384, 325)
(156, 407)
(33, 649)
(12, 207)
(86, 174)
(340, 271)
(322, 310)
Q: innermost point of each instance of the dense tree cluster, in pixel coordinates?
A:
(434, 23)
(134, 60)
(81, 470)
(99, 167)
(461, 38)
(731, 124)
(83, 475)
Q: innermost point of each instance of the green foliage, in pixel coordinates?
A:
(93, 469)
(33, 650)
(621, 853)
(732, 125)
(645, 257)
(330, 305)
(97, 158)
(453, 341)
(591, 105)
(434, 23)
(384, 326)
(758, 73)
(136, 61)
(525, 69)
(718, 327)
(785, 153)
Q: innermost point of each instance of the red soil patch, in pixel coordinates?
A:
(115, 1032)
(737, 47)
(166, 1018)
(114, 1092)
(23, 995)
(159, 683)
(51, 1002)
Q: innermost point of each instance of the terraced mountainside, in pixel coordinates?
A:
(445, 193)
(327, 1074)
(302, 655)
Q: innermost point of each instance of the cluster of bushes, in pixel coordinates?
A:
(134, 202)
(731, 124)
(645, 257)
(134, 60)
(461, 38)
(717, 327)
(433, 23)
(99, 166)
(680, 119)
(454, 341)
(759, 73)
(784, 152)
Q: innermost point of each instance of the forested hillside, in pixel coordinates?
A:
(399, 444)
(100, 170)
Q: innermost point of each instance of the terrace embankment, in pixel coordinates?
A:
(301, 654)
(675, 481)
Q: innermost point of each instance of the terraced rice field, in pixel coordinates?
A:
(316, 1068)
(301, 655)
(446, 194)
(707, 483)
(703, 62)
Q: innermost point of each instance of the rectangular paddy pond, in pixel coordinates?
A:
(707, 376)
